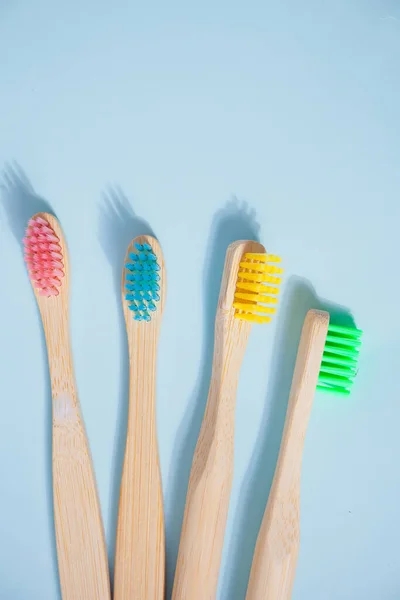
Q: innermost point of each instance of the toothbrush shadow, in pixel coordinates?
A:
(233, 222)
(299, 297)
(20, 202)
(118, 225)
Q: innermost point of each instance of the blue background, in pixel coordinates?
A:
(207, 122)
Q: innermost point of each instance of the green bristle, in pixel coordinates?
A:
(340, 360)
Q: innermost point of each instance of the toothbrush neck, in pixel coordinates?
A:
(56, 328)
(231, 336)
(143, 342)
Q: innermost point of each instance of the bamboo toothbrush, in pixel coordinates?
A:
(327, 360)
(140, 547)
(241, 303)
(81, 549)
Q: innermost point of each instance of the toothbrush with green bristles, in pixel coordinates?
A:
(339, 360)
(327, 360)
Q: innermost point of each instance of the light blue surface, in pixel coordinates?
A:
(212, 122)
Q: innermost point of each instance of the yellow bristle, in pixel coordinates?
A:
(254, 307)
(256, 298)
(252, 298)
(252, 318)
(259, 267)
(261, 257)
(259, 277)
(257, 287)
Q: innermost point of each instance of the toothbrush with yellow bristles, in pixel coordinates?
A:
(248, 295)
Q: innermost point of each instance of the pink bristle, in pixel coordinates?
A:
(49, 233)
(43, 256)
(57, 264)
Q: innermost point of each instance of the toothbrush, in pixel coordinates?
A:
(81, 549)
(140, 546)
(326, 360)
(242, 300)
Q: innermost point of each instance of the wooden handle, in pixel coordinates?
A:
(140, 547)
(210, 481)
(275, 558)
(207, 500)
(81, 549)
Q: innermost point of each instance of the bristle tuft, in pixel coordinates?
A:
(254, 294)
(43, 257)
(340, 360)
(141, 282)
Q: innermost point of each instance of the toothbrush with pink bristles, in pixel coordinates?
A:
(81, 549)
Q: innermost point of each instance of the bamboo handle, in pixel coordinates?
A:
(275, 558)
(82, 558)
(140, 547)
(210, 481)
(81, 549)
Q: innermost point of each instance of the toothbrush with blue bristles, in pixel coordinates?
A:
(140, 545)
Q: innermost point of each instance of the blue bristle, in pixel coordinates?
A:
(141, 282)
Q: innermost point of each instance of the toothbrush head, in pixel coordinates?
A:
(256, 293)
(340, 360)
(44, 255)
(142, 279)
